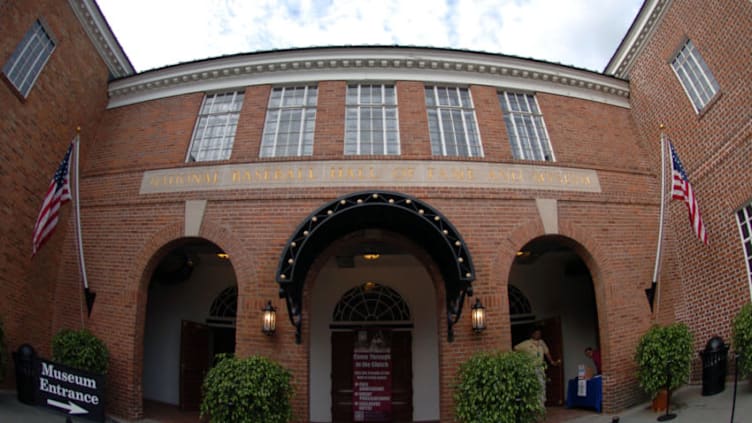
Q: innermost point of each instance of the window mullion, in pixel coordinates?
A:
(202, 145)
(533, 123)
(701, 76)
(516, 130)
(358, 115)
(27, 44)
(303, 117)
(440, 121)
(384, 135)
(464, 124)
(36, 50)
(278, 121)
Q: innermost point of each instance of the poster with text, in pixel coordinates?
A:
(372, 384)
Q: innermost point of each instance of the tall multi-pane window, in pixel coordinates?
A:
(29, 57)
(527, 131)
(451, 122)
(744, 217)
(695, 76)
(290, 122)
(215, 128)
(371, 125)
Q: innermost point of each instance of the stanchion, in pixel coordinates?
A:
(667, 416)
(736, 379)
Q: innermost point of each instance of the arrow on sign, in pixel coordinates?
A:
(70, 407)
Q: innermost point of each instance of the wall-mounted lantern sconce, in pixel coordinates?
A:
(479, 316)
(269, 324)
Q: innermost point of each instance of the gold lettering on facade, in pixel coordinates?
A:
(403, 173)
(364, 173)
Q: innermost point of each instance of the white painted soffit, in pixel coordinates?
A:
(354, 64)
(101, 36)
(642, 28)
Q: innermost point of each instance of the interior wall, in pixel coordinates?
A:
(552, 293)
(408, 277)
(166, 307)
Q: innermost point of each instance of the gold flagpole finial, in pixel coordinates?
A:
(78, 129)
(661, 127)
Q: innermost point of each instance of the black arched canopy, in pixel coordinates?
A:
(383, 210)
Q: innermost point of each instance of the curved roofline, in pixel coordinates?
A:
(355, 63)
(365, 46)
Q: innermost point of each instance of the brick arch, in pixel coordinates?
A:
(596, 259)
(586, 247)
(147, 259)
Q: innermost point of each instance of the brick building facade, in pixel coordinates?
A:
(557, 225)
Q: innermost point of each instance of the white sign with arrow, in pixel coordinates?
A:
(71, 408)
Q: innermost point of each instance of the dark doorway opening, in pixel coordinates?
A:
(190, 317)
(550, 287)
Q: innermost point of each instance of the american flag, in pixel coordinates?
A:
(57, 194)
(681, 189)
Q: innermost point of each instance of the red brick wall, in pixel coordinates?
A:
(613, 231)
(703, 286)
(71, 91)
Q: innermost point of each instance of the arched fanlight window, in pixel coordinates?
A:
(371, 302)
(224, 307)
(519, 305)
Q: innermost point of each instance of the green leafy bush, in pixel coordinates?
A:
(3, 353)
(741, 337)
(499, 387)
(253, 389)
(80, 349)
(664, 350)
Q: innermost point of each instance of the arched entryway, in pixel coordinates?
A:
(372, 289)
(421, 256)
(190, 317)
(551, 288)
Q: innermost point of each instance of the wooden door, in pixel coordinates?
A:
(194, 363)
(402, 376)
(342, 376)
(551, 333)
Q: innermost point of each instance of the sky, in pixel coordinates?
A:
(580, 33)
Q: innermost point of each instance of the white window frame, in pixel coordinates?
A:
(272, 126)
(695, 76)
(30, 57)
(539, 143)
(354, 138)
(202, 138)
(744, 222)
(462, 108)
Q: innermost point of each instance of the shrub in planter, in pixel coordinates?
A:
(253, 389)
(80, 349)
(664, 350)
(741, 338)
(499, 387)
(3, 353)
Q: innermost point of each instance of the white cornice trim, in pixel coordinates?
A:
(101, 36)
(368, 63)
(640, 31)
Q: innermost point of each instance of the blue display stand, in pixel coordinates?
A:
(594, 396)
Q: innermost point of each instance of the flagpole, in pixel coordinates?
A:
(88, 295)
(659, 245)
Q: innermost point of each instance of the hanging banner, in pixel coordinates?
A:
(372, 384)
